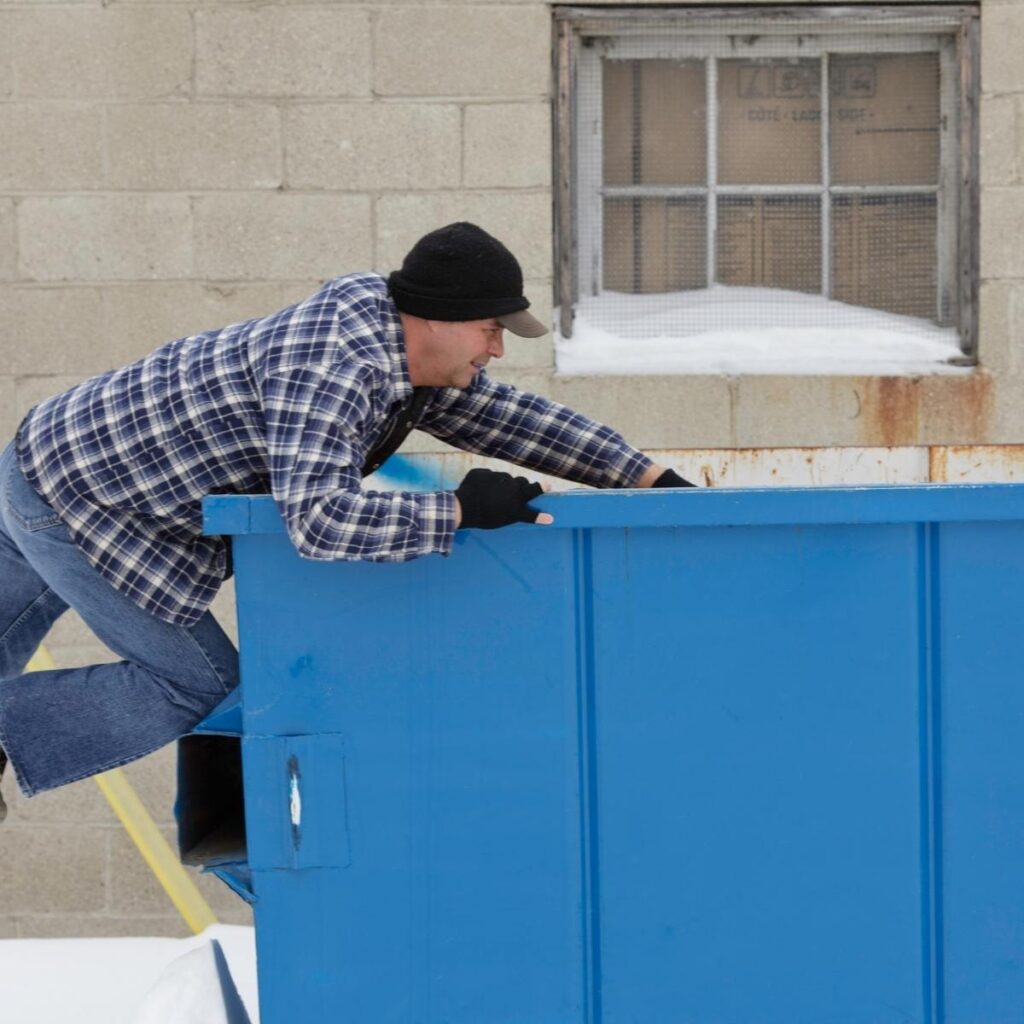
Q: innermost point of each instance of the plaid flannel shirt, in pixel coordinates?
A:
(289, 404)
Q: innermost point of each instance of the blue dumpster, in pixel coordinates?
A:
(722, 757)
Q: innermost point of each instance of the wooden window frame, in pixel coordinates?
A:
(583, 35)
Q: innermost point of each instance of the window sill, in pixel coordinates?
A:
(669, 411)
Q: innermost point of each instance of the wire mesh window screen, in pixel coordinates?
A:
(819, 165)
(770, 242)
(769, 122)
(654, 245)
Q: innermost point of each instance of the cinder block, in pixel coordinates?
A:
(1000, 141)
(655, 411)
(70, 631)
(421, 443)
(80, 655)
(372, 146)
(9, 418)
(508, 145)
(1007, 422)
(8, 44)
(995, 348)
(8, 247)
(283, 51)
(133, 887)
(1002, 223)
(52, 330)
(86, 926)
(50, 146)
(1002, 25)
(536, 354)
(522, 220)
(1016, 359)
(134, 890)
(801, 411)
(8, 927)
(957, 409)
(537, 382)
(504, 51)
(154, 779)
(51, 869)
(223, 609)
(280, 236)
(78, 804)
(227, 905)
(142, 316)
(77, 52)
(30, 391)
(93, 238)
(194, 145)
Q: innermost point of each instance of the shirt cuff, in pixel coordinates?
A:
(626, 470)
(437, 522)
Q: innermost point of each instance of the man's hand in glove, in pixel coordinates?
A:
(659, 476)
(486, 500)
(670, 478)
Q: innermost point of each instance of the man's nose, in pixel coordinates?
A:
(497, 347)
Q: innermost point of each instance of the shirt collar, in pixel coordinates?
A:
(396, 349)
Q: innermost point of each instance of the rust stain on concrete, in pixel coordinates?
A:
(890, 411)
(967, 409)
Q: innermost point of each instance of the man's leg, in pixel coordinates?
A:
(28, 608)
(62, 725)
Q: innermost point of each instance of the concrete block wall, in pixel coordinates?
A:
(173, 165)
(170, 167)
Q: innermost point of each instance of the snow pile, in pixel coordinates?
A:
(126, 981)
(733, 330)
(197, 988)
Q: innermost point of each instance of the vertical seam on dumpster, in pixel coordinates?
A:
(929, 605)
(586, 729)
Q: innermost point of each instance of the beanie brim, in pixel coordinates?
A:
(522, 323)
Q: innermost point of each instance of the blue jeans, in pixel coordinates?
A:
(62, 725)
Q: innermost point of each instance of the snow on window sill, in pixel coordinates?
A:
(739, 331)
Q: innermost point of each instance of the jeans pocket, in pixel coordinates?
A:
(29, 510)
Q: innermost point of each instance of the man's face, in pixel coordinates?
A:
(454, 352)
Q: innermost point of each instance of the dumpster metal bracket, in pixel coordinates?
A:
(237, 877)
(302, 797)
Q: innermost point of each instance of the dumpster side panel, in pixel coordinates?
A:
(758, 774)
(450, 685)
(628, 771)
(981, 568)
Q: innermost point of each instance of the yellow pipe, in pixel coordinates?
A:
(147, 837)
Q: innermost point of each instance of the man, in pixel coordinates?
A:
(100, 493)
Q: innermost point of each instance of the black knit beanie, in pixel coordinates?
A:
(460, 272)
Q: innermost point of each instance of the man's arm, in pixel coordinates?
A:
(650, 475)
(494, 419)
(317, 419)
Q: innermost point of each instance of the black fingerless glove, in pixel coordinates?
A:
(670, 478)
(491, 499)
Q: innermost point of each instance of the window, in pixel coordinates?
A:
(815, 163)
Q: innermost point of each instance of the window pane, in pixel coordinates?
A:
(655, 245)
(884, 114)
(769, 122)
(884, 253)
(655, 114)
(771, 242)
